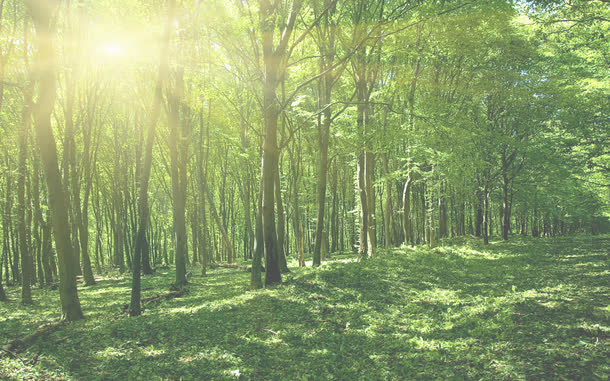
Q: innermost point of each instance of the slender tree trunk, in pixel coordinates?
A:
(3, 297)
(323, 136)
(204, 239)
(479, 214)
(194, 235)
(442, 218)
(258, 251)
(362, 250)
(281, 225)
(485, 215)
(296, 214)
(24, 249)
(47, 250)
(369, 158)
(221, 227)
(38, 221)
(406, 212)
(334, 217)
(143, 211)
(177, 149)
(84, 214)
(505, 209)
(7, 228)
(387, 221)
(41, 14)
(321, 190)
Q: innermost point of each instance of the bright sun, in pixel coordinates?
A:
(113, 49)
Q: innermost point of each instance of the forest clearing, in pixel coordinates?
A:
(527, 309)
(304, 189)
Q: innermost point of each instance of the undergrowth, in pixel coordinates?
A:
(523, 309)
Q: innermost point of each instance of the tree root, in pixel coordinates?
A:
(20, 344)
(157, 298)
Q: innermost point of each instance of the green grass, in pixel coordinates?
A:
(525, 309)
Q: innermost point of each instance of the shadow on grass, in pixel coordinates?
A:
(523, 309)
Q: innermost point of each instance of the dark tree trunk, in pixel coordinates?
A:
(334, 217)
(84, 214)
(274, 66)
(41, 14)
(281, 225)
(479, 215)
(24, 249)
(143, 211)
(178, 151)
(258, 251)
(505, 209)
(442, 218)
(388, 210)
(38, 221)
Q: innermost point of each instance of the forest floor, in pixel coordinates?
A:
(523, 309)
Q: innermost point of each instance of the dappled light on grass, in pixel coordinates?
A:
(509, 312)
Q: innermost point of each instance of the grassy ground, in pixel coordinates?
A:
(526, 309)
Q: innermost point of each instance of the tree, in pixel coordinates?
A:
(279, 15)
(143, 209)
(41, 12)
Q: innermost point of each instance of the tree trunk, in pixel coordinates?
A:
(388, 212)
(258, 251)
(84, 214)
(406, 213)
(223, 231)
(334, 217)
(442, 218)
(485, 215)
(26, 267)
(38, 221)
(505, 209)
(281, 225)
(274, 66)
(178, 151)
(479, 214)
(143, 211)
(362, 250)
(3, 297)
(322, 175)
(41, 14)
(369, 165)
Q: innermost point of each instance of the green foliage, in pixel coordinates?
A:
(533, 309)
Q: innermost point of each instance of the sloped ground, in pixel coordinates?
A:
(526, 309)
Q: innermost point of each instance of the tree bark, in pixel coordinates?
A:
(24, 249)
(41, 14)
(83, 217)
(274, 59)
(334, 217)
(281, 225)
(178, 151)
(135, 308)
(258, 251)
(38, 221)
(364, 220)
(485, 215)
(388, 212)
(406, 212)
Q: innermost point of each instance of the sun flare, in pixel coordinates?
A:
(113, 49)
